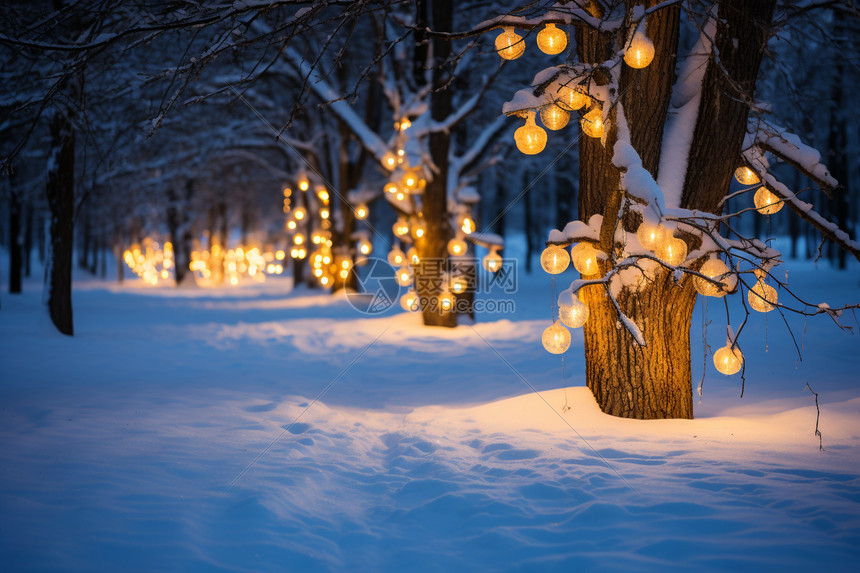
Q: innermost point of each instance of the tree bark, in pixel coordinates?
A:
(15, 259)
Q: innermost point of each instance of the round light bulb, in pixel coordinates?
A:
(553, 117)
(551, 40)
(762, 297)
(584, 258)
(651, 236)
(457, 247)
(640, 53)
(554, 259)
(396, 257)
(530, 138)
(492, 262)
(570, 98)
(556, 338)
(766, 202)
(409, 301)
(361, 212)
(509, 44)
(717, 270)
(592, 123)
(728, 361)
(673, 251)
(746, 176)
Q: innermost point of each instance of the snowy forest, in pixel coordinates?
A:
(516, 286)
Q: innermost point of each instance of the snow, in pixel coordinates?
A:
(132, 446)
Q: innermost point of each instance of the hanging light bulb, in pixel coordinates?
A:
(401, 228)
(409, 301)
(322, 193)
(458, 285)
(717, 270)
(361, 212)
(641, 51)
(728, 360)
(324, 213)
(457, 247)
(553, 117)
(389, 160)
(746, 176)
(419, 228)
(571, 310)
(530, 138)
(412, 257)
(571, 99)
(554, 259)
(365, 247)
(584, 258)
(509, 44)
(299, 213)
(467, 225)
(762, 297)
(396, 257)
(673, 251)
(446, 301)
(291, 224)
(592, 123)
(766, 202)
(651, 236)
(410, 179)
(392, 188)
(556, 338)
(404, 276)
(304, 183)
(492, 262)
(404, 124)
(551, 40)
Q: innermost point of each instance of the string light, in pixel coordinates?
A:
(717, 270)
(457, 247)
(766, 202)
(492, 262)
(509, 44)
(651, 236)
(592, 123)
(458, 285)
(419, 228)
(554, 259)
(404, 277)
(467, 225)
(304, 184)
(641, 51)
(551, 40)
(299, 213)
(361, 212)
(396, 257)
(746, 176)
(584, 258)
(571, 310)
(389, 160)
(401, 228)
(672, 251)
(409, 301)
(728, 360)
(530, 138)
(412, 257)
(762, 297)
(365, 247)
(571, 99)
(556, 338)
(553, 117)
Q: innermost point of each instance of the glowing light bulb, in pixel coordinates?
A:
(409, 301)
(641, 51)
(291, 225)
(746, 176)
(556, 338)
(766, 202)
(299, 239)
(412, 257)
(419, 228)
(492, 262)
(651, 236)
(571, 310)
(553, 117)
(554, 259)
(458, 285)
(401, 228)
(365, 247)
(728, 360)
(389, 160)
(396, 257)
(719, 271)
(361, 212)
(762, 297)
(571, 99)
(457, 247)
(300, 213)
(592, 123)
(304, 184)
(509, 44)
(530, 138)
(672, 251)
(584, 258)
(446, 301)
(551, 40)
(467, 225)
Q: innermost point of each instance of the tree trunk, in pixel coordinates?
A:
(432, 248)
(654, 381)
(15, 258)
(28, 240)
(61, 200)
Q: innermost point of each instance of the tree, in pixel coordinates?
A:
(668, 139)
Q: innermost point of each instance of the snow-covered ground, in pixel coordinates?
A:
(177, 431)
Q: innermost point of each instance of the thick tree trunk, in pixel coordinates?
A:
(61, 199)
(654, 381)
